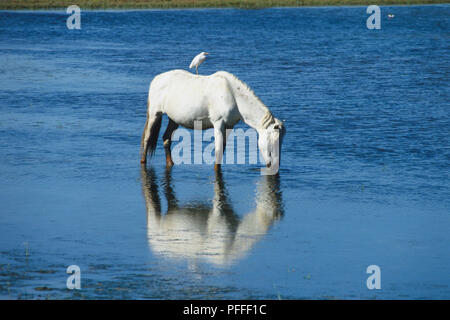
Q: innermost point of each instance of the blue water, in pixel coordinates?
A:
(364, 177)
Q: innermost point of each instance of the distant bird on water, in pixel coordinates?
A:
(198, 60)
(391, 16)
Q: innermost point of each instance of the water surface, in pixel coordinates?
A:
(364, 178)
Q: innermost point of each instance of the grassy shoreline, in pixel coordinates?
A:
(168, 4)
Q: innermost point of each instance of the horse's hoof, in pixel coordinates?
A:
(169, 164)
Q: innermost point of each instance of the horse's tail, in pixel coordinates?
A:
(149, 145)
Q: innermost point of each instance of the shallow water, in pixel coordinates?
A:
(364, 178)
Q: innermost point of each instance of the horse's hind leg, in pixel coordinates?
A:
(167, 140)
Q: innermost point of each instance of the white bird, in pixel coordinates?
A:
(198, 60)
(390, 16)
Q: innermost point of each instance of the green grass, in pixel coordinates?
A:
(145, 4)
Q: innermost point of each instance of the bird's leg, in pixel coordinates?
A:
(196, 69)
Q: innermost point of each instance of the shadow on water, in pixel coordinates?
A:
(211, 233)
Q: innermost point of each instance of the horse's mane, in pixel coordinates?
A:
(238, 84)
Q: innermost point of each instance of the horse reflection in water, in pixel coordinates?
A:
(212, 233)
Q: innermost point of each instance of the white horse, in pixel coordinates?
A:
(219, 101)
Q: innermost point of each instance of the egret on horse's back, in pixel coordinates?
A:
(219, 101)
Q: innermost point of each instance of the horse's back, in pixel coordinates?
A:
(188, 77)
(180, 84)
(165, 78)
(186, 97)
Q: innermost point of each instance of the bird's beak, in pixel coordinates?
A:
(206, 53)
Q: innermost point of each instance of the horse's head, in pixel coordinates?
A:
(269, 142)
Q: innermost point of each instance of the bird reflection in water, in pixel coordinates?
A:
(213, 233)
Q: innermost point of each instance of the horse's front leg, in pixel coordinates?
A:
(219, 143)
